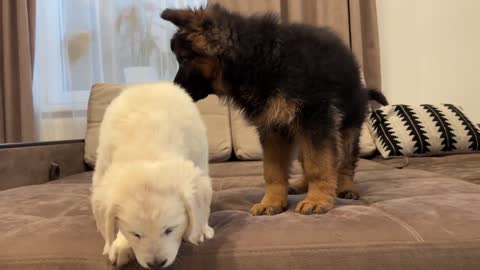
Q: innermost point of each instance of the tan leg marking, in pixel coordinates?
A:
(346, 170)
(276, 162)
(320, 170)
(299, 185)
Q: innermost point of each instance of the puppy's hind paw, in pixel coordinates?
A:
(349, 195)
(298, 186)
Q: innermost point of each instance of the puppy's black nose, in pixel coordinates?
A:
(157, 264)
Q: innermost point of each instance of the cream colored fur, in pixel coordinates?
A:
(151, 186)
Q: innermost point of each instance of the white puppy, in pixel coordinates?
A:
(151, 186)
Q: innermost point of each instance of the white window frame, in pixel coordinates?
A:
(55, 92)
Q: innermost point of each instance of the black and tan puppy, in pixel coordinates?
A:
(299, 85)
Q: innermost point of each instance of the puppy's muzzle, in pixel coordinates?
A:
(156, 264)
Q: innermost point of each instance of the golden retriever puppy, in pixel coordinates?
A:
(151, 185)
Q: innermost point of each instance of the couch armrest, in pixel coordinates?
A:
(24, 164)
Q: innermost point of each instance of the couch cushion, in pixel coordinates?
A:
(214, 114)
(245, 141)
(462, 166)
(48, 227)
(228, 175)
(406, 219)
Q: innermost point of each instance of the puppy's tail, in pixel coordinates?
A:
(374, 94)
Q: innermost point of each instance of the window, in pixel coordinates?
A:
(82, 42)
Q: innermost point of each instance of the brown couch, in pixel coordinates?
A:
(424, 216)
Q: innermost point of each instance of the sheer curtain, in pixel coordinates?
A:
(82, 42)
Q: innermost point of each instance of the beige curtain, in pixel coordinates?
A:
(354, 20)
(364, 39)
(17, 25)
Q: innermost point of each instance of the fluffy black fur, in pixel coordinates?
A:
(260, 58)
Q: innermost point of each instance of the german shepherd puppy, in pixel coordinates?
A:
(299, 85)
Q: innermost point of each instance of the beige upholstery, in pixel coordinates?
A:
(246, 144)
(245, 141)
(214, 114)
(216, 117)
(367, 144)
(100, 97)
(405, 219)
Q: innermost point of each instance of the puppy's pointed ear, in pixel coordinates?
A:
(179, 17)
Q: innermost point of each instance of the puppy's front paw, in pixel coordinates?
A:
(308, 207)
(120, 252)
(106, 248)
(260, 209)
(208, 232)
(195, 238)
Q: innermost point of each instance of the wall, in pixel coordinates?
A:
(430, 52)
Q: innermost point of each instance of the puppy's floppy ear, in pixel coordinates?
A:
(104, 212)
(197, 196)
(110, 224)
(179, 17)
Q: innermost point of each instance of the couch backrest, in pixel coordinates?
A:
(214, 113)
(227, 129)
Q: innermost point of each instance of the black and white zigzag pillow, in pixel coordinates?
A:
(423, 130)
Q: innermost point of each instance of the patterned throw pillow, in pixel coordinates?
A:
(423, 130)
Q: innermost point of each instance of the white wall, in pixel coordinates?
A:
(430, 52)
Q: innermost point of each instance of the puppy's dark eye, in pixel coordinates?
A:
(168, 231)
(136, 235)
